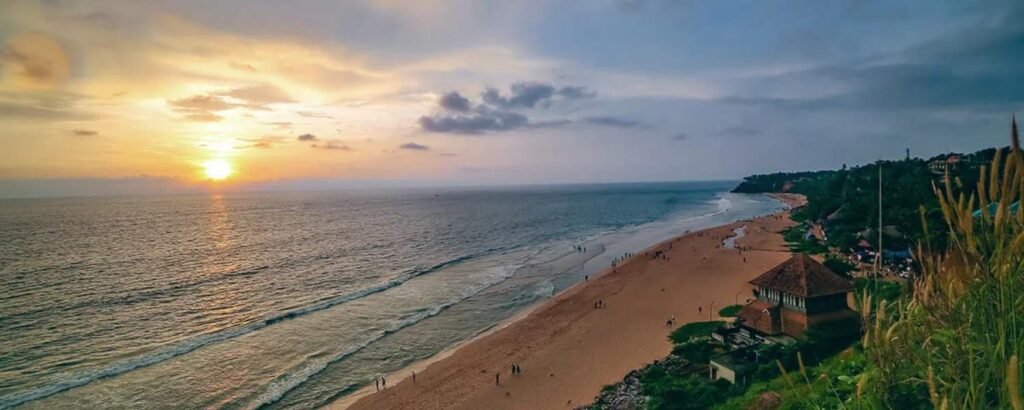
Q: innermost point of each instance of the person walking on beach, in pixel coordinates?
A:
(376, 383)
(414, 377)
(497, 378)
(383, 383)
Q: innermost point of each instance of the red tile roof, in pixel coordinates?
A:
(803, 276)
(753, 316)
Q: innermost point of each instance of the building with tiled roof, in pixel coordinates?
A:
(798, 294)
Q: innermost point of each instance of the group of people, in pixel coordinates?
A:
(626, 255)
(579, 248)
(516, 370)
(600, 304)
(382, 383)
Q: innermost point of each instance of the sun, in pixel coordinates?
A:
(217, 169)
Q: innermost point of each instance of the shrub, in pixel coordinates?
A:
(956, 343)
(695, 329)
(838, 265)
(730, 311)
(696, 350)
(878, 289)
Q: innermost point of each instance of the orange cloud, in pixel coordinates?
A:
(35, 61)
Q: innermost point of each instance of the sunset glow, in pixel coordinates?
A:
(217, 169)
(466, 92)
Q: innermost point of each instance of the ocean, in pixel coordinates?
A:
(293, 300)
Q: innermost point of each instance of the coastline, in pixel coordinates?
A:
(459, 377)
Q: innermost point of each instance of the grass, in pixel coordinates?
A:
(797, 241)
(830, 385)
(956, 342)
(838, 265)
(879, 289)
(730, 311)
(696, 329)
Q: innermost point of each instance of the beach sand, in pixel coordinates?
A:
(568, 350)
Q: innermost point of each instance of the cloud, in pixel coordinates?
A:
(264, 142)
(259, 95)
(739, 131)
(454, 101)
(84, 133)
(306, 137)
(32, 112)
(974, 70)
(201, 107)
(336, 145)
(281, 124)
(495, 113)
(315, 114)
(447, 154)
(414, 147)
(576, 93)
(35, 61)
(205, 107)
(614, 122)
(242, 67)
(476, 123)
(529, 94)
(682, 136)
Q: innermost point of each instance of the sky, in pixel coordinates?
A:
(164, 96)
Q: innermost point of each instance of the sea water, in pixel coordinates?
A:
(294, 300)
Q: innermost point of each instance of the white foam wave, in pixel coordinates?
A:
(84, 378)
(288, 382)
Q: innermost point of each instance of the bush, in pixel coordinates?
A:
(797, 241)
(666, 392)
(838, 265)
(730, 311)
(695, 329)
(878, 289)
(957, 341)
(696, 350)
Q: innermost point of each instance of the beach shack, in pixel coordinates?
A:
(794, 296)
(730, 367)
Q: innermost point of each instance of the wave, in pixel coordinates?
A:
(288, 382)
(161, 355)
(140, 295)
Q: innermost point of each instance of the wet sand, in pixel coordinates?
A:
(568, 350)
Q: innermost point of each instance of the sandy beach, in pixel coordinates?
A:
(568, 349)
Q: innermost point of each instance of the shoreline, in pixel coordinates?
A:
(367, 397)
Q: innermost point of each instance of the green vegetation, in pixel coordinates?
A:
(674, 391)
(952, 339)
(846, 200)
(680, 381)
(730, 311)
(958, 341)
(839, 265)
(798, 242)
(696, 329)
(830, 385)
(696, 350)
(878, 289)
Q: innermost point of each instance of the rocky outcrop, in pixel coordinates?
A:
(625, 395)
